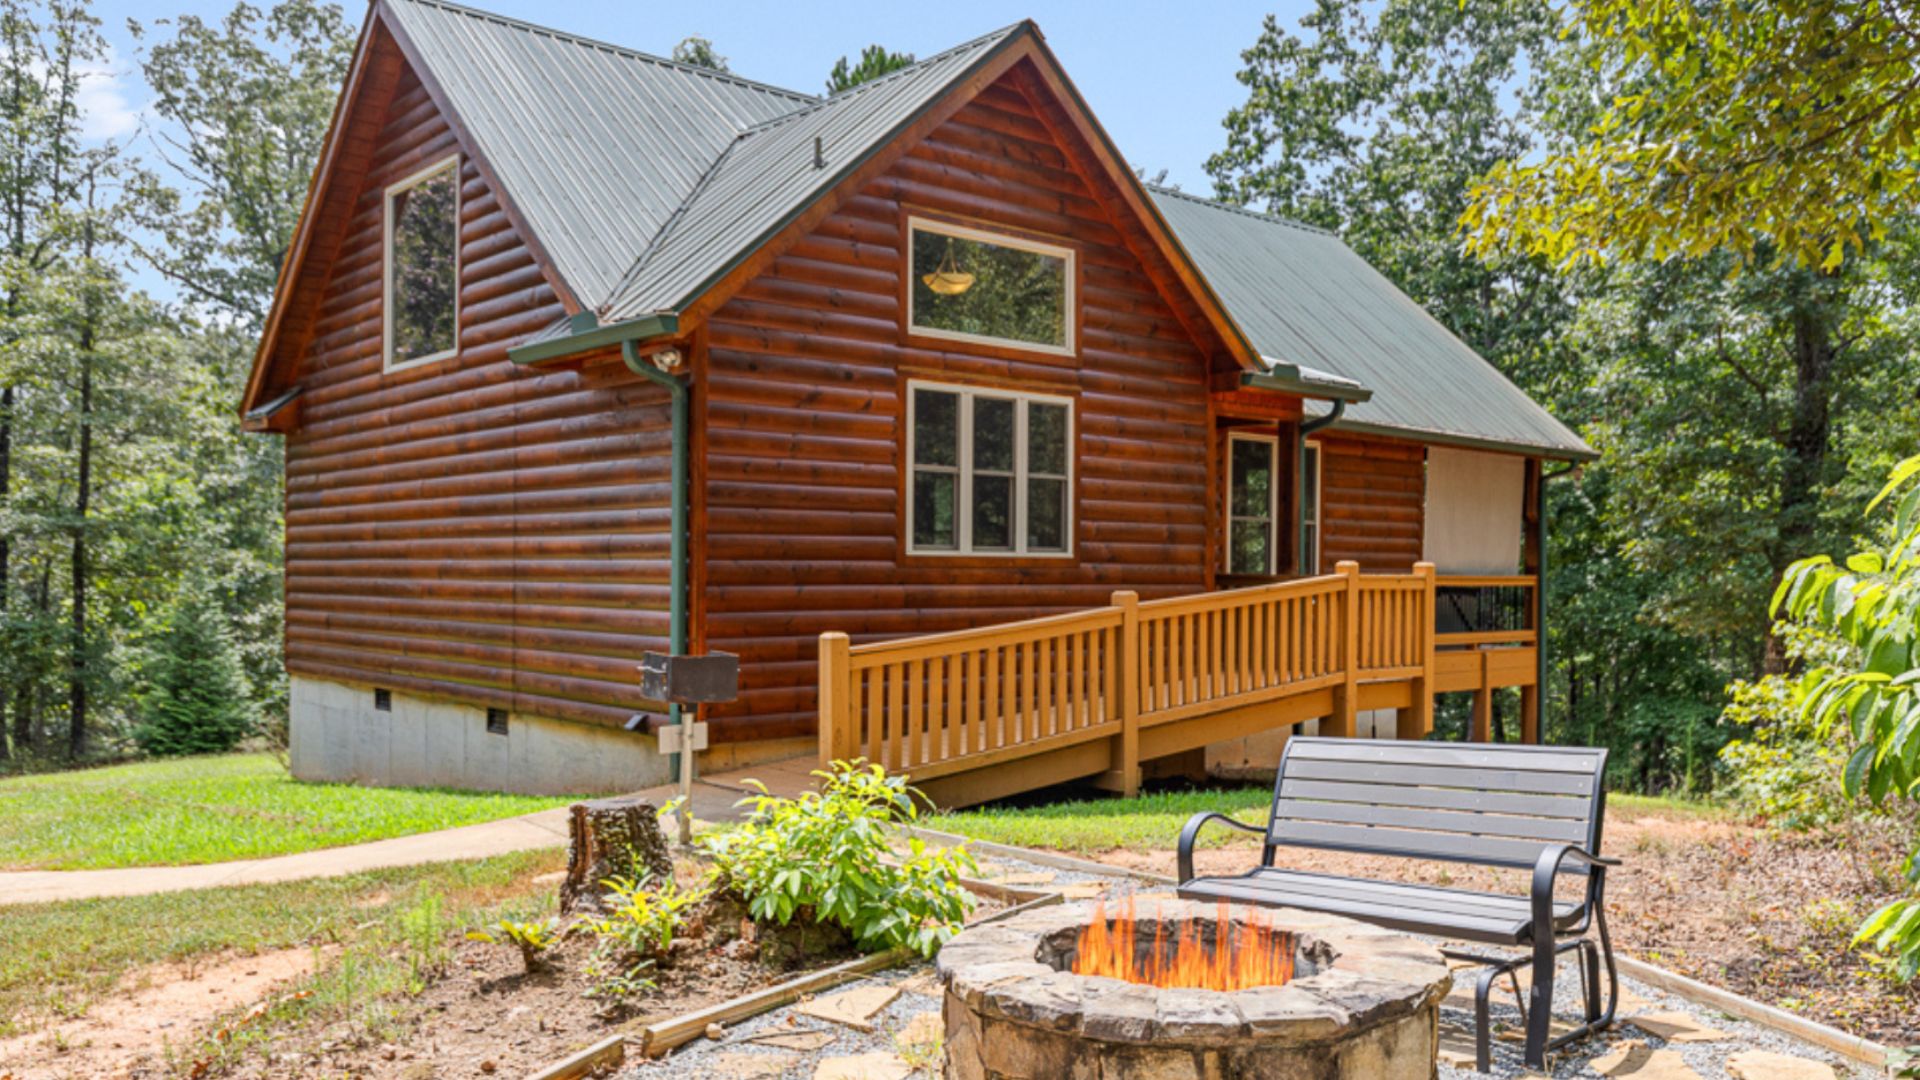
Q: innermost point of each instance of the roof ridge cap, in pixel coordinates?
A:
(849, 94)
(801, 97)
(1257, 215)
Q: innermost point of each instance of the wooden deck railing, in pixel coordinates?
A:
(945, 703)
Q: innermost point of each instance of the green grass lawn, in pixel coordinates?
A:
(212, 809)
(388, 925)
(1153, 821)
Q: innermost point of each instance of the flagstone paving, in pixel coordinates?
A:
(896, 1034)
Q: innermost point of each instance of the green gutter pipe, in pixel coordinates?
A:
(1307, 427)
(681, 764)
(588, 335)
(1540, 648)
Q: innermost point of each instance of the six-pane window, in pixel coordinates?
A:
(422, 265)
(991, 471)
(969, 285)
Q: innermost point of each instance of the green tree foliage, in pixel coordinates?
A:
(1869, 698)
(198, 702)
(698, 51)
(248, 99)
(875, 61)
(123, 470)
(1776, 130)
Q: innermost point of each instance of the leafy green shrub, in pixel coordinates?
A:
(1869, 699)
(1783, 769)
(531, 938)
(826, 856)
(198, 701)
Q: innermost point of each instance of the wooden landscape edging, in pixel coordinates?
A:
(657, 1039)
(611, 1050)
(1864, 1051)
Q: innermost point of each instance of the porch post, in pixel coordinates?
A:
(1416, 722)
(1126, 758)
(1346, 696)
(836, 705)
(1533, 698)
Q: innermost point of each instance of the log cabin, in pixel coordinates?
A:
(987, 459)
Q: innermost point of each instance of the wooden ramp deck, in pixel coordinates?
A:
(980, 714)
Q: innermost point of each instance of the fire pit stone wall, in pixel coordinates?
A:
(1364, 1005)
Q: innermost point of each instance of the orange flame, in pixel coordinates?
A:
(1253, 953)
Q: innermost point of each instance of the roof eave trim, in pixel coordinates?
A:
(1467, 442)
(878, 146)
(646, 328)
(1287, 379)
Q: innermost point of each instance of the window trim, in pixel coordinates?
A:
(1310, 449)
(1070, 300)
(1273, 503)
(387, 363)
(1022, 474)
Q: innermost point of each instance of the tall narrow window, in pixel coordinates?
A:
(990, 471)
(1310, 510)
(1252, 502)
(970, 285)
(422, 297)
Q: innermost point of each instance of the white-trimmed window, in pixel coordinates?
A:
(1253, 504)
(1310, 509)
(421, 266)
(990, 472)
(967, 284)
(1255, 511)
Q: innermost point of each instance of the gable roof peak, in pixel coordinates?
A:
(622, 51)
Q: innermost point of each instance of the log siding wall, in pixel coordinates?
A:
(465, 528)
(1373, 498)
(804, 382)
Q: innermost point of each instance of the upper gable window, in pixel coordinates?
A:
(970, 285)
(423, 265)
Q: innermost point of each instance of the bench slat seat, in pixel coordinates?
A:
(1532, 808)
(1426, 909)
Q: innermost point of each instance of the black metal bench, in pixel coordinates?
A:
(1535, 808)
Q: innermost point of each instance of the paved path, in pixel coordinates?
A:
(547, 828)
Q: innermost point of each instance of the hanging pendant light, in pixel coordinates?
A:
(949, 280)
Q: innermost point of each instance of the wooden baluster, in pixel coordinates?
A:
(991, 681)
(972, 738)
(1062, 686)
(876, 712)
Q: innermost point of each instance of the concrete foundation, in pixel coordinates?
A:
(338, 735)
(1257, 757)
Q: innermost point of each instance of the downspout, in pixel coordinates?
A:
(1307, 427)
(1540, 588)
(681, 764)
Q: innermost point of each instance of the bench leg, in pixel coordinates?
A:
(1540, 1005)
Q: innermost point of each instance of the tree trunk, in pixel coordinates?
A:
(8, 659)
(611, 838)
(77, 682)
(1808, 438)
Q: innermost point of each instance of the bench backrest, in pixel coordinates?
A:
(1491, 804)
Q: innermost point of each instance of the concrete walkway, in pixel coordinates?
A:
(548, 828)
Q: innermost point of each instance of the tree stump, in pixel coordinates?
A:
(617, 837)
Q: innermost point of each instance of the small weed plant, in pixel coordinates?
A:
(532, 938)
(828, 856)
(643, 920)
(423, 930)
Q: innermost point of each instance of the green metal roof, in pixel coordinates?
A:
(647, 180)
(1302, 296)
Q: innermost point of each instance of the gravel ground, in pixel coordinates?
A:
(736, 1057)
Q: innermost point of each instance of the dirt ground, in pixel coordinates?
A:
(1721, 901)
(158, 1008)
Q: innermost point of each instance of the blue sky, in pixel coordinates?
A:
(1159, 76)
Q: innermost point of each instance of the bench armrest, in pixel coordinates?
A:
(1552, 861)
(1191, 832)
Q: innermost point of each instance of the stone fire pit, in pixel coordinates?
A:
(1364, 1003)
